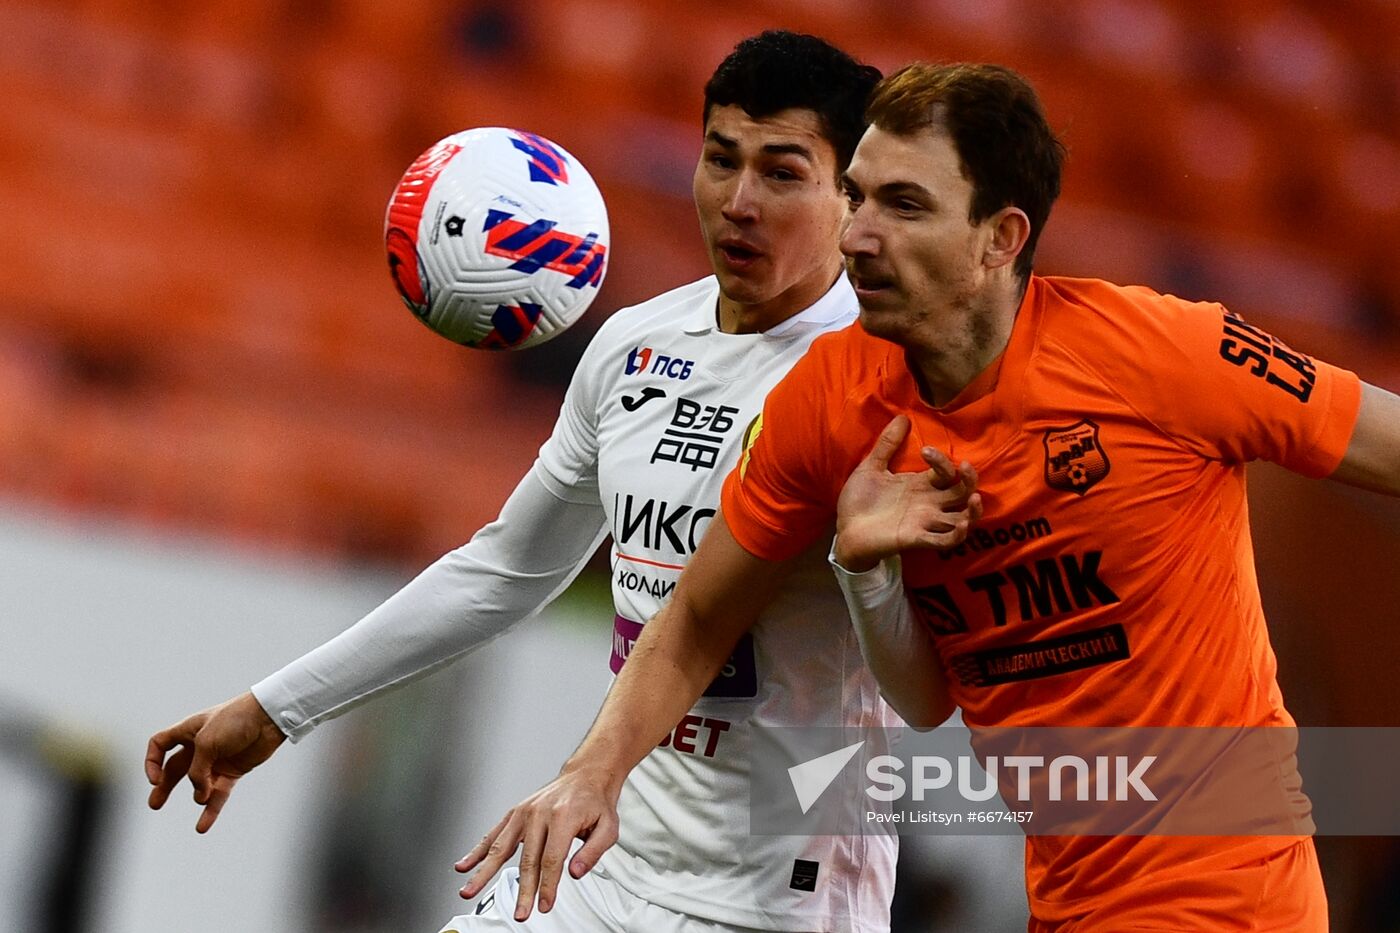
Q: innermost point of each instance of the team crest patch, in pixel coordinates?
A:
(1074, 457)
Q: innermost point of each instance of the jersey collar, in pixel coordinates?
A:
(839, 303)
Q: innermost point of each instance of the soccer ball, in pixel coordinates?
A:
(497, 238)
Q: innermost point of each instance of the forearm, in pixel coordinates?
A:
(680, 652)
(896, 646)
(667, 671)
(506, 572)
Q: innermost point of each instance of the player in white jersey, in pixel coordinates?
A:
(653, 420)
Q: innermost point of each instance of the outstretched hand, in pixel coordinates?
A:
(574, 805)
(881, 513)
(215, 748)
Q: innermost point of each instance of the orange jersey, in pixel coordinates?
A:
(1111, 579)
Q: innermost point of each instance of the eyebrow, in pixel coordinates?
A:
(889, 189)
(797, 149)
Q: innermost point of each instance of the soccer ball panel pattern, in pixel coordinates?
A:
(497, 238)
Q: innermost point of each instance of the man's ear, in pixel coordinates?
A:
(1010, 229)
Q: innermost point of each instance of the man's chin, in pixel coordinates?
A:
(740, 288)
(880, 320)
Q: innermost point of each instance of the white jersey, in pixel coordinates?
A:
(652, 423)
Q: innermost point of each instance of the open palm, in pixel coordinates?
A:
(881, 513)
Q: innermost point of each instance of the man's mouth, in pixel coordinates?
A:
(738, 255)
(866, 284)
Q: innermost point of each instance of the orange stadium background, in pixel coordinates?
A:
(199, 339)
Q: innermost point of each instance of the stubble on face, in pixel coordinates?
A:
(928, 284)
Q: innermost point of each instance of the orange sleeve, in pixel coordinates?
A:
(777, 501)
(1230, 391)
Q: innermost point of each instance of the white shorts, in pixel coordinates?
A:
(591, 904)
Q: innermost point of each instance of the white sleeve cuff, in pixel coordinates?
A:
(873, 587)
(271, 693)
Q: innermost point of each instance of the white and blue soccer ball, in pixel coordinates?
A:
(497, 238)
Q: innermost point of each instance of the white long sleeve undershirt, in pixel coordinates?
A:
(507, 572)
(895, 645)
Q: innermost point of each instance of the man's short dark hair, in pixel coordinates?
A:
(998, 128)
(777, 69)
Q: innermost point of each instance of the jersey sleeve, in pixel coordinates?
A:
(503, 575)
(568, 461)
(1230, 391)
(778, 500)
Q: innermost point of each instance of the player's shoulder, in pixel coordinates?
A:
(839, 367)
(629, 331)
(1126, 306)
(847, 356)
(658, 316)
(1096, 319)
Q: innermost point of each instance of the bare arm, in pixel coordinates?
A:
(1372, 460)
(717, 599)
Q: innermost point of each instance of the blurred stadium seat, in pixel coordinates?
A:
(200, 189)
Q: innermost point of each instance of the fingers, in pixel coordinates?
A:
(944, 473)
(602, 837)
(964, 493)
(182, 733)
(498, 851)
(974, 506)
(201, 771)
(155, 756)
(478, 852)
(544, 828)
(218, 796)
(535, 837)
(946, 524)
(960, 481)
(887, 443)
(955, 498)
(942, 540)
(968, 474)
(556, 850)
(955, 506)
(162, 774)
(168, 776)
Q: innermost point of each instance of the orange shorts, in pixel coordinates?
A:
(1280, 894)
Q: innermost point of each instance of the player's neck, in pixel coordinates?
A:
(973, 342)
(734, 317)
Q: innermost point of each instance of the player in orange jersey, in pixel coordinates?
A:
(1110, 580)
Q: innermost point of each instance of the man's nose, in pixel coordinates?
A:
(740, 202)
